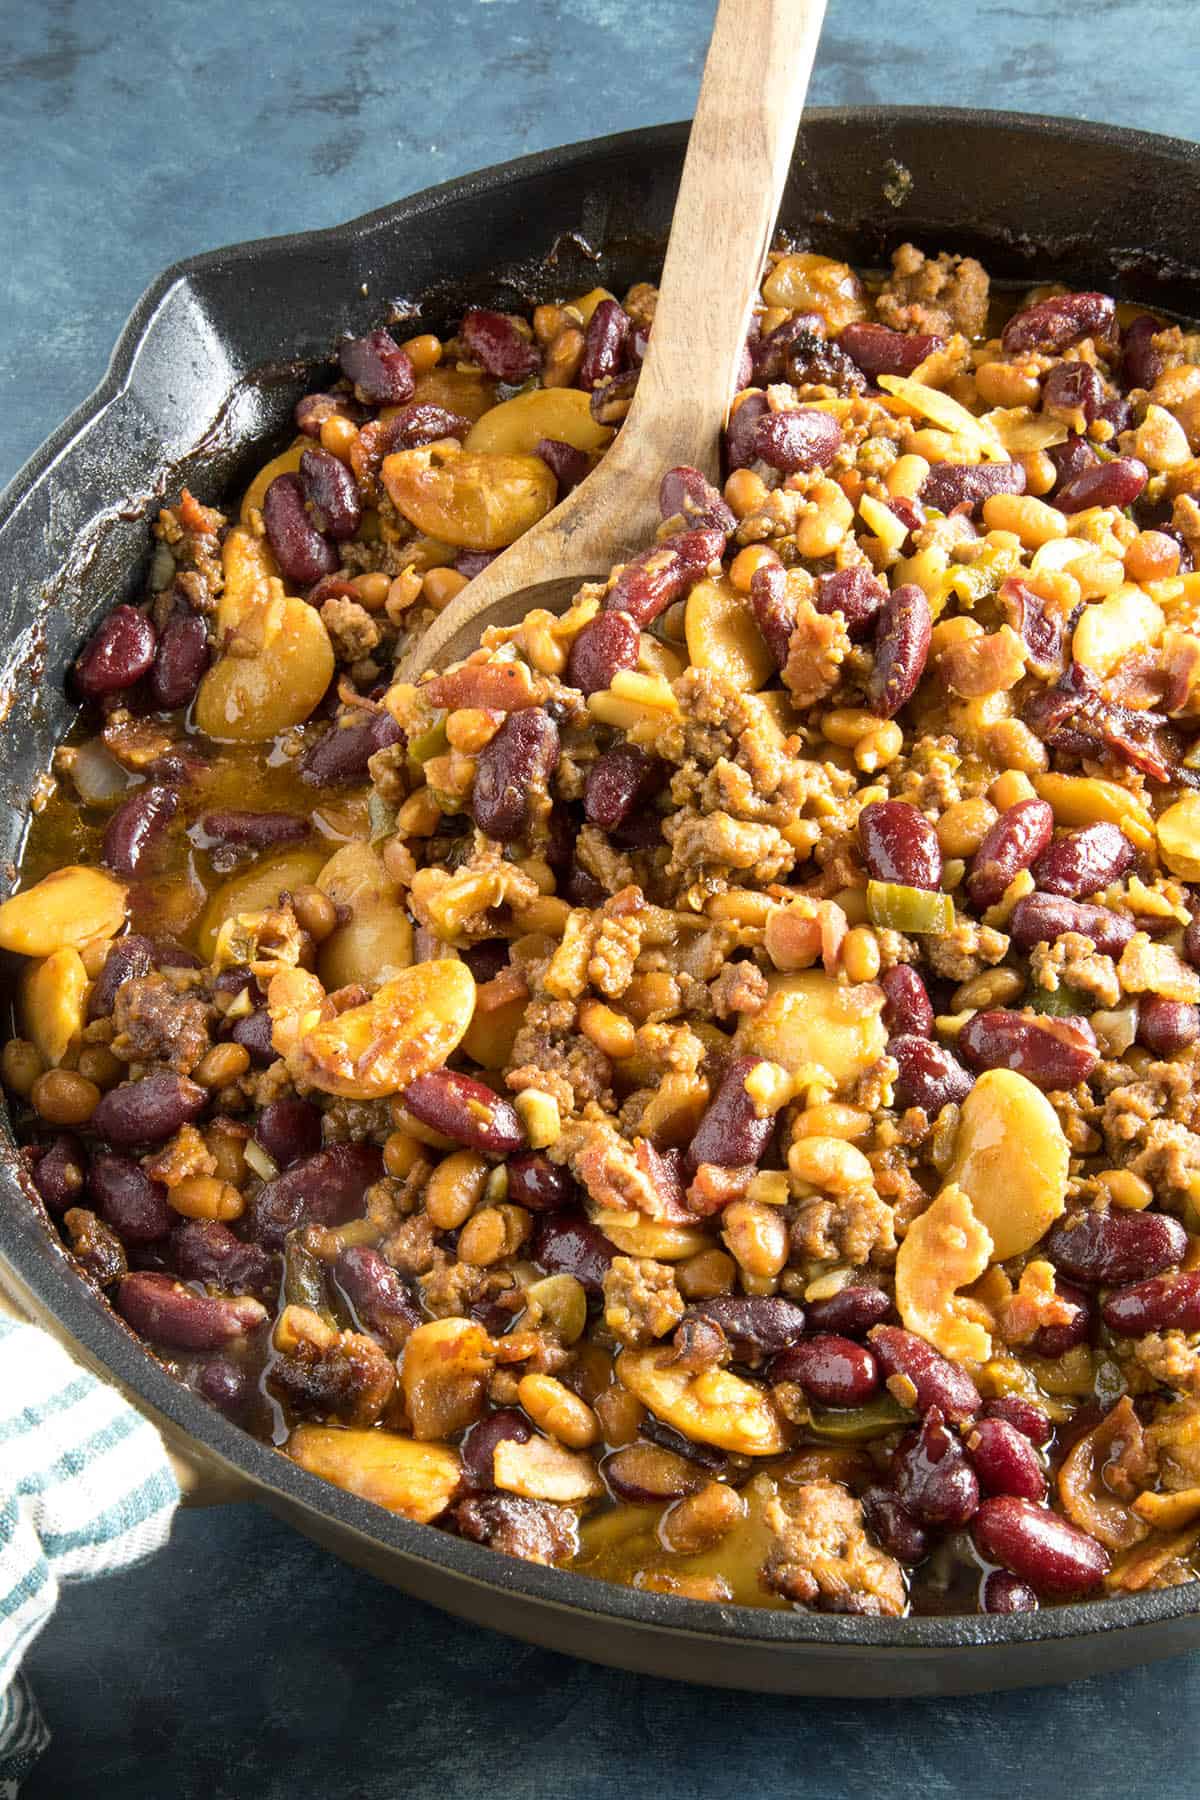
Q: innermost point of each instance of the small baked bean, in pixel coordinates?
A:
(860, 954)
(757, 1237)
(206, 1197)
(746, 561)
(492, 1233)
(62, 1097)
(609, 1030)
(21, 1064)
(221, 1065)
(455, 1188)
(1030, 520)
(705, 1275)
(699, 1521)
(964, 825)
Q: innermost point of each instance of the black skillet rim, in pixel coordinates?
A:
(43, 1266)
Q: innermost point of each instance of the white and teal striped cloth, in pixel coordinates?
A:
(85, 1489)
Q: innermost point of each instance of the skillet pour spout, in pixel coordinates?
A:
(211, 363)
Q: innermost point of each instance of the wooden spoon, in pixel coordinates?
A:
(739, 151)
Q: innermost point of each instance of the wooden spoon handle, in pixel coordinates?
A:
(751, 98)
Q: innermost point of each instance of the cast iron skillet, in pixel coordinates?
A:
(212, 360)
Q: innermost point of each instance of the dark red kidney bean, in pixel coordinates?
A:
(342, 755)
(907, 1009)
(790, 441)
(464, 1109)
(850, 1312)
(255, 830)
(1005, 1460)
(1040, 1547)
(311, 412)
(731, 1134)
(924, 1374)
(1051, 1052)
(685, 493)
(582, 889)
(205, 1250)
(1164, 1303)
(163, 1310)
(880, 351)
(1116, 411)
(899, 844)
(1141, 363)
(1028, 1419)
(567, 464)
(756, 1325)
(933, 1479)
(180, 662)
(1072, 388)
(654, 579)
(1070, 459)
(910, 513)
(58, 1173)
(929, 1075)
(604, 343)
(424, 423)
(741, 433)
(1191, 941)
(648, 1474)
(225, 1385)
(326, 1189)
(332, 495)
(802, 333)
(1115, 483)
(1003, 1592)
(493, 340)
(1015, 841)
(1050, 325)
(511, 769)
(1040, 626)
(1082, 862)
(893, 1528)
(129, 957)
(288, 1130)
(302, 553)
(537, 1184)
(1055, 1340)
(609, 643)
(616, 781)
(949, 485)
(856, 594)
(1115, 1247)
(486, 959)
(1167, 1027)
(382, 1301)
(132, 833)
(148, 1111)
(832, 1370)
(1043, 918)
(126, 1198)
(666, 1436)
(473, 562)
(381, 371)
(118, 653)
(478, 1448)
(565, 1243)
(902, 635)
(237, 979)
(168, 954)
(253, 1033)
(774, 608)
(610, 400)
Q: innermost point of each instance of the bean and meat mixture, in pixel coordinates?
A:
(704, 1090)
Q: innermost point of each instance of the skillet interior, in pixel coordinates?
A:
(209, 365)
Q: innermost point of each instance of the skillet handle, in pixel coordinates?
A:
(202, 1480)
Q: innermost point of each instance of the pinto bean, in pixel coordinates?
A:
(1115, 1247)
(148, 1111)
(731, 1133)
(342, 755)
(899, 844)
(1043, 918)
(181, 660)
(610, 642)
(1040, 1547)
(326, 1189)
(925, 1375)
(381, 371)
(907, 1009)
(1164, 1303)
(511, 769)
(163, 1310)
(465, 1110)
(647, 1474)
(1050, 325)
(934, 1480)
(832, 1370)
(1051, 1052)
(930, 1076)
(1015, 841)
(118, 653)
(1004, 1460)
(902, 635)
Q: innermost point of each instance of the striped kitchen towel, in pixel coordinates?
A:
(85, 1489)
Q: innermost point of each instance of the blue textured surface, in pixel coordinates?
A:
(244, 1664)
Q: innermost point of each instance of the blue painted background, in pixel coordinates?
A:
(243, 1664)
